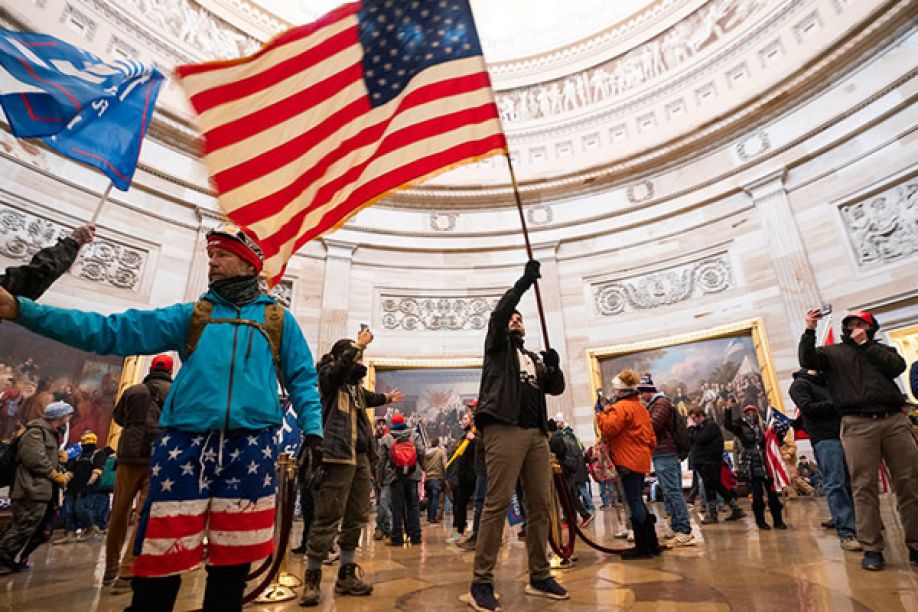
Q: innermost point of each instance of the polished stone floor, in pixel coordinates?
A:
(735, 568)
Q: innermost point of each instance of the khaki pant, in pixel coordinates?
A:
(130, 481)
(513, 453)
(342, 497)
(866, 441)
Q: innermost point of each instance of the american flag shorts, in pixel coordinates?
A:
(215, 484)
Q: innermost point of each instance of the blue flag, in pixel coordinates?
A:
(84, 108)
(289, 434)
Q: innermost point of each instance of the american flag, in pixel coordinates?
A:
(777, 427)
(330, 117)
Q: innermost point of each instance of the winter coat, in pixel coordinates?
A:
(136, 412)
(913, 379)
(561, 448)
(228, 383)
(811, 396)
(344, 410)
(465, 463)
(752, 455)
(707, 444)
(627, 428)
(435, 463)
(499, 393)
(661, 415)
(91, 459)
(860, 377)
(397, 436)
(46, 266)
(36, 458)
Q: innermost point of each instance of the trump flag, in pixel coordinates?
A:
(330, 117)
(89, 110)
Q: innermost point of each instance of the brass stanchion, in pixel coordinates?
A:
(280, 588)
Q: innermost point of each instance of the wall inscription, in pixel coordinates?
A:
(436, 313)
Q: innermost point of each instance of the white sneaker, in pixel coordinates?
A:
(622, 534)
(683, 539)
(454, 539)
(630, 536)
(850, 544)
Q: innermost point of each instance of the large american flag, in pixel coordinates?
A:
(330, 117)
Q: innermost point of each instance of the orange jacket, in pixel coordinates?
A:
(626, 427)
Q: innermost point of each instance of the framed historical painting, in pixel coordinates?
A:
(706, 367)
(35, 371)
(435, 390)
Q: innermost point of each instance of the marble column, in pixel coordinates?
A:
(550, 287)
(796, 281)
(197, 274)
(336, 293)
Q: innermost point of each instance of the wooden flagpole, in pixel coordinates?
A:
(519, 208)
(102, 201)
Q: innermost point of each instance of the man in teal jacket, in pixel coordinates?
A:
(212, 469)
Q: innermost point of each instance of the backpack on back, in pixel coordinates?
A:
(573, 456)
(8, 452)
(107, 479)
(603, 468)
(404, 456)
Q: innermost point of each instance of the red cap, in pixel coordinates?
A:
(750, 407)
(863, 315)
(398, 419)
(472, 403)
(162, 362)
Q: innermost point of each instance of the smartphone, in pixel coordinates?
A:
(364, 326)
(825, 309)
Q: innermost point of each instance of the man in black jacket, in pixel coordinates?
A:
(822, 424)
(46, 266)
(137, 413)
(860, 373)
(706, 458)
(511, 415)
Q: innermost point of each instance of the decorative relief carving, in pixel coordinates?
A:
(884, 227)
(644, 63)
(103, 261)
(443, 222)
(539, 214)
(78, 22)
(679, 283)
(753, 146)
(197, 27)
(437, 313)
(639, 192)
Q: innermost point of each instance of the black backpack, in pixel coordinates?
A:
(680, 434)
(573, 456)
(8, 452)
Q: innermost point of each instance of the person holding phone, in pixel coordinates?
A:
(860, 372)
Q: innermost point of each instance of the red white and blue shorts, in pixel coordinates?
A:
(215, 484)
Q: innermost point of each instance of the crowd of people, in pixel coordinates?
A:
(195, 458)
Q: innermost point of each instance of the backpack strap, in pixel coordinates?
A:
(199, 319)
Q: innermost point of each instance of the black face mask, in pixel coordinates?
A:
(357, 373)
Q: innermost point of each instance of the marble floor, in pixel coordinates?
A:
(736, 567)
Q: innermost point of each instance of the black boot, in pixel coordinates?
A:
(225, 587)
(154, 594)
(774, 507)
(653, 544)
(312, 588)
(350, 583)
(737, 512)
(710, 516)
(641, 549)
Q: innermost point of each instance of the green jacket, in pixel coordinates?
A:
(36, 458)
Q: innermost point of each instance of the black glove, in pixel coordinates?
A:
(532, 270)
(550, 357)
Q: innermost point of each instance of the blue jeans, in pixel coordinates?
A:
(607, 492)
(481, 488)
(433, 498)
(633, 485)
(669, 475)
(830, 456)
(405, 508)
(384, 510)
(586, 493)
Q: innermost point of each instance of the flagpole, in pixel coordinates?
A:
(519, 208)
(102, 201)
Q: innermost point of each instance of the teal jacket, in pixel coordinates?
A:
(228, 383)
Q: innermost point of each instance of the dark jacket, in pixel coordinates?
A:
(811, 396)
(465, 467)
(397, 436)
(860, 377)
(560, 448)
(344, 411)
(46, 266)
(36, 458)
(661, 415)
(707, 444)
(752, 439)
(137, 412)
(913, 379)
(499, 394)
(91, 459)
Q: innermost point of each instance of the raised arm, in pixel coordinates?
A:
(47, 265)
(500, 317)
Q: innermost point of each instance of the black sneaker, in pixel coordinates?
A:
(873, 561)
(481, 597)
(547, 588)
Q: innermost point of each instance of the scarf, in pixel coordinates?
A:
(239, 290)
